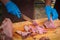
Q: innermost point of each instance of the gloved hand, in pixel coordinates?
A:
(51, 11)
(13, 9)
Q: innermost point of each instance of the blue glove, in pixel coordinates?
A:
(13, 9)
(51, 11)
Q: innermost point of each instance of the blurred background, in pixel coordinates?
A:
(39, 8)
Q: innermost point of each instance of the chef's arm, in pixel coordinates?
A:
(4, 1)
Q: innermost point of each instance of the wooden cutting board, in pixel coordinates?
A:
(53, 34)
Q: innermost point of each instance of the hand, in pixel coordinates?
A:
(13, 9)
(51, 11)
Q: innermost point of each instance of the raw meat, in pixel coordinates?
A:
(35, 23)
(33, 29)
(40, 30)
(23, 34)
(7, 27)
(44, 38)
(26, 28)
(36, 29)
(30, 29)
(50, 24)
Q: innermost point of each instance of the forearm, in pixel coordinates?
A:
(47, 2)
(4, 1)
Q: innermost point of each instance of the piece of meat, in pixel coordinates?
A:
(35, 23)
(27, 28)
(33, 29)
(30, 29)
(23, 34)
(40, 30)
(44, 38)
(50, 24)
(7, 27)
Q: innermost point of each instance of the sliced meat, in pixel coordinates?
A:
(40, 30)
(36, 29)
(33, 29)
(50, 24)
(23, 34)
(35, 23)
(26, 28)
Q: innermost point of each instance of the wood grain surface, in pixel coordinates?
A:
(52, 34)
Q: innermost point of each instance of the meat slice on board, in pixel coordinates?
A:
(23, 34)
(49, 24)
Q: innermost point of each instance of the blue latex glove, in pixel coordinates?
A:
(51, 11)
(13, 9)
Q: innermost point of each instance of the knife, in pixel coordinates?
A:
(27, 18)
